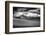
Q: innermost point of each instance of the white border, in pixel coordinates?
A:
(11, 29)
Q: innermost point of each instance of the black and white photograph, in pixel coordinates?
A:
(23, 17)
(26, 17)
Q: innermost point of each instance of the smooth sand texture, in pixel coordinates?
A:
(23, 22)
